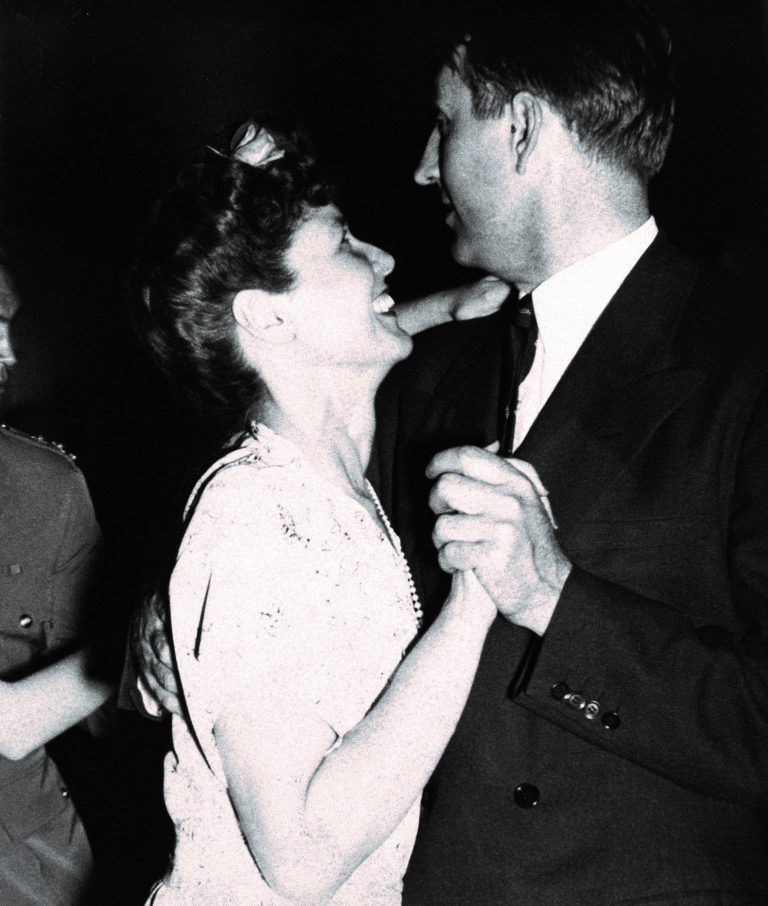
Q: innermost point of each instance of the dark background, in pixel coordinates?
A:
(102, 101)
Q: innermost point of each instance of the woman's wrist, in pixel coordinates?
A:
(469, 603)
(420, 314)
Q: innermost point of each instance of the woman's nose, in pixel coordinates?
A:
(382, 262)
(428, 170)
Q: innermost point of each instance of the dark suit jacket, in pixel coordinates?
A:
(654, 448)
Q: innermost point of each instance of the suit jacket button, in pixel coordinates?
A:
(610, 720)
(560, 691)
(25, 621)
(592, 710)
(577, 701)
(526, 795)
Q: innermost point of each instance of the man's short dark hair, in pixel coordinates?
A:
(604, 65)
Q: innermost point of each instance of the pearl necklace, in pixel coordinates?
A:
(261, 435)
(399, 551)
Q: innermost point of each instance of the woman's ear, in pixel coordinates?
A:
(526, 117)
(262, 316)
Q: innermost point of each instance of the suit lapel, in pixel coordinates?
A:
(467, 405)
(461, 408)
(620, 386)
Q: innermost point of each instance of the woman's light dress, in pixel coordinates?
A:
(278, 570)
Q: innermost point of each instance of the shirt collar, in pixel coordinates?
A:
(568, 304)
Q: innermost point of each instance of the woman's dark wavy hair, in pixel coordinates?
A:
(603, 64)
(224, 226)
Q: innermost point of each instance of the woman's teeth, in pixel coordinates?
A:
(383, 303)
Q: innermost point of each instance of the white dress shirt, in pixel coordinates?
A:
(566, 306)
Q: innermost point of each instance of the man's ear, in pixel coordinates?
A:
(526, 115)
(262, 316)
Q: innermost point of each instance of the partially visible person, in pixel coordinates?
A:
(50, 548)
(308, 738)
(8, 305)
(27, 718)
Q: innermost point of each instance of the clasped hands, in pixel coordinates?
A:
(493, 518)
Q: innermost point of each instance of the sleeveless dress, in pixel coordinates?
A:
(278, 568)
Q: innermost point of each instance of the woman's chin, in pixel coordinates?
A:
(406, 345)
(403, 343)
(392, 347)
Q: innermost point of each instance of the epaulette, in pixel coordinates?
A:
(39, 441)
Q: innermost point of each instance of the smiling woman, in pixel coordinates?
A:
(337, 311)
(309, 737)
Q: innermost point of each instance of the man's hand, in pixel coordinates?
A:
(492, 519)
(152, 653)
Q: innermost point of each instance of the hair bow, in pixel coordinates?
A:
(253, 144)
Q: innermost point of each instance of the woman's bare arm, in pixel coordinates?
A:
(312, 812)
(460, 303)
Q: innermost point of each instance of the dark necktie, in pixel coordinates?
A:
(523, 332)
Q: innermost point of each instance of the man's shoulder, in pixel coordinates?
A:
(715, 319)
(436, 350)
(443, 340)
(726, 319)
(35, 458)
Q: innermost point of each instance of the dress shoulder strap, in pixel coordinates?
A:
(241, 455)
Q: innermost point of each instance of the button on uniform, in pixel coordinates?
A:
(592, 710)
(610, 720)
(560, 691)
(526, 795)
(25, 621)
(577, 701)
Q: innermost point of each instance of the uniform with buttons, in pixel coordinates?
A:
(49, 548)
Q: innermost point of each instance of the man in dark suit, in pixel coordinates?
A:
(615, 745)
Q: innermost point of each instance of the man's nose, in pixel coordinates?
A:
(428, 170)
